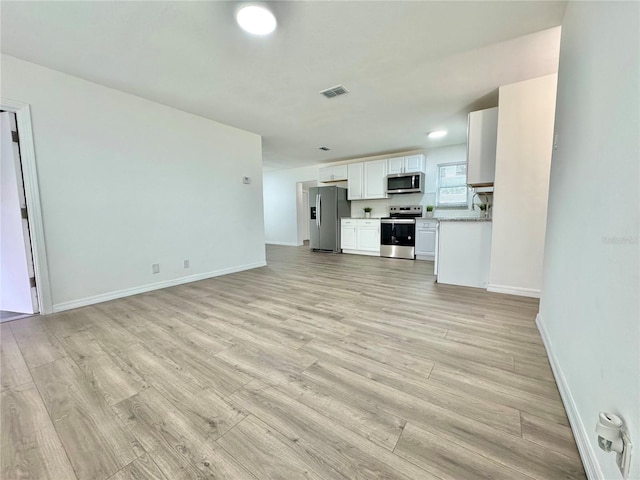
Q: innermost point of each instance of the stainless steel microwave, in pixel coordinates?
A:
(405, 183)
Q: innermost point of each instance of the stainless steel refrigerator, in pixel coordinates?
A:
(327, 205)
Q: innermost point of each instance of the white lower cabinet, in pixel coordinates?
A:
(426, 232)
(348, 234)
(360, 236)
(464, 253)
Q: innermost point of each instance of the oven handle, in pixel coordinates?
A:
(398, 220)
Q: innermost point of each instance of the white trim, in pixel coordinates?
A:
(104, 297)
(362, 252)
(32, 195)
(520, 291)
(286, 244)
(589, 459)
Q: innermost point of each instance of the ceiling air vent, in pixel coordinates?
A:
(334, 91)
(324, 149)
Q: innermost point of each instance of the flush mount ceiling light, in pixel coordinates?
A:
(437, 134)
(256, 19)
(324, 149)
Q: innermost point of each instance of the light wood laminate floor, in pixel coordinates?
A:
(318, 366)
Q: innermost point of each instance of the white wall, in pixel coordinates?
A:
(126, 182)
(589, 312)
(281, 203)
(523, 159)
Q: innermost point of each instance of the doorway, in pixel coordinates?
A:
(18, 290)
(18, 120)
(302, 204)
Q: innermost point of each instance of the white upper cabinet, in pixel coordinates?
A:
(375, 175)
(333, 174)
(367, 180)
(408, 164)
(482, 136)
(396, 165)
(355, 178)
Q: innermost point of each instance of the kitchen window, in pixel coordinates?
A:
(452, 188)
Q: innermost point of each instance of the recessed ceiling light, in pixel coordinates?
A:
(437, 134)
(256, 19)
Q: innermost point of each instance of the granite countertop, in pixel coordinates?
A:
(463, 219)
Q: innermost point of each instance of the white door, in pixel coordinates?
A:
(396, 165)
(375, 174)
(354, 177)
(426, 241)
(16, 291)
(369, 239)
(348, 237)
(414, 163)
(306, 216)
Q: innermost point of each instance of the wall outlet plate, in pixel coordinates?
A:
(155, 268)
(624, 459)
(185, 264)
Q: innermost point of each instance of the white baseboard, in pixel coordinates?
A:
(104, 297)
(361, 252)
(580, 431)
(286, 244)
(520, 291)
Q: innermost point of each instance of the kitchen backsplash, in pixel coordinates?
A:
(381, 207)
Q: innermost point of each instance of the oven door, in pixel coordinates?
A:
(398, 238)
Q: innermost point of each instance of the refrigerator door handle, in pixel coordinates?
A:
(318, 210)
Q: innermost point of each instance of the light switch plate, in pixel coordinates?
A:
(246, 180)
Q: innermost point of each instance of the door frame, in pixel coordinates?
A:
(32, 196)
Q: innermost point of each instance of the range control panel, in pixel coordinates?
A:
(412, 211)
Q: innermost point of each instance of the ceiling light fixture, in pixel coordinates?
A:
(324, 149)
(256, 19)
(437, 134)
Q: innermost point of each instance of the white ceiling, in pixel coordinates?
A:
(411, 67)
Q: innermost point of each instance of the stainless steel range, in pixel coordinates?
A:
(398, 232)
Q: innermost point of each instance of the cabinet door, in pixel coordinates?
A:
(481, 147)
(354, 179)
(369, 239)
(375, 174)
(340, 173)
(348, 237)
(414, 163)
(396, 165)
(425, 241)
(325, 174)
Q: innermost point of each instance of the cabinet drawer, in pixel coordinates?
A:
(430, 224)
(374, 222)
(348, 221)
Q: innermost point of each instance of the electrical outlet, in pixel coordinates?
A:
(624, 459)
(185, 264)
(155, 268)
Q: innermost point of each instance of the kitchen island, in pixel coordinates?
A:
(463, 251)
